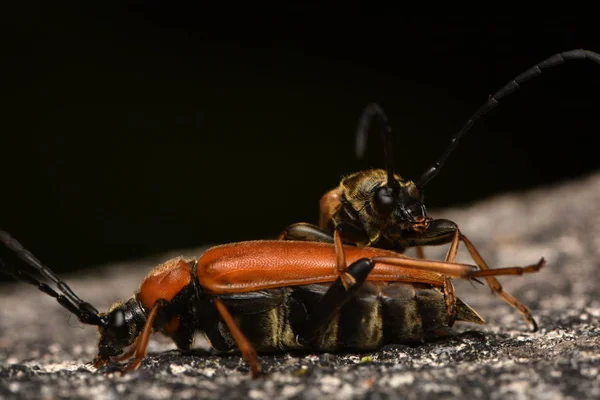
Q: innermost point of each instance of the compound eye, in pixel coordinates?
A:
(117, 319)
(384, 200)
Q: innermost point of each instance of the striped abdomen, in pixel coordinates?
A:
(380, 313)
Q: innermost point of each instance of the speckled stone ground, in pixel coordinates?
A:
(43, 352)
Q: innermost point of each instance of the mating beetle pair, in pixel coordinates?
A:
(340, 285)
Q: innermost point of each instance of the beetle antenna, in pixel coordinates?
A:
(83, 311)
(68, 299)
(371, 111)
(494, 99)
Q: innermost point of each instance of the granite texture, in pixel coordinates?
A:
(44, 351)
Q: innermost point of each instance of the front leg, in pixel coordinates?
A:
(441, 231)
(140, 347)
(445, 228)
(496, 286)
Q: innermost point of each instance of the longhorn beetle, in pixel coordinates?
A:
(379, 208)
(272, 296)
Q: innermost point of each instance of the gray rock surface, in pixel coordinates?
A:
(43, 351)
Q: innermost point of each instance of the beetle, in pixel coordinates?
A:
(270, 296)
(379, 208)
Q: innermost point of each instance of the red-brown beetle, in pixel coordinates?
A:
(272, 296)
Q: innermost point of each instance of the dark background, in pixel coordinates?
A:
(135, 128)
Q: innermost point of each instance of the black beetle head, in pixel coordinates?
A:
(385, 209)
(119, 327)
(399, 207)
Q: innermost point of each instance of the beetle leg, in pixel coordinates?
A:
(246, 348)
(340, 255)
(336, 296)
(420, 252)
(308, 232)
(141, 343)
(329, 204)
(450, 297)
(340, 262)
(305, 232)
(99, 362)
(464, 271)
(350, 279)
(449, 293)
(127, 354)
(495, 284)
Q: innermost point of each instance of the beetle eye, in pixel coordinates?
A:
(117, 319)
(384, 200)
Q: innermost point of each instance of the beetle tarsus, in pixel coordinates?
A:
(99, 361)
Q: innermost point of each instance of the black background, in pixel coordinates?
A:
(135, 128)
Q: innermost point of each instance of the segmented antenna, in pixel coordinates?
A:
(68, 299)
(87, 316)
(371, 111)
(494, 99)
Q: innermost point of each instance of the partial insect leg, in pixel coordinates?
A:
(129, 353)
(449, 293)
(246, 348)
(495, 284)
(334, 299)
(308, 232)
(386, 269)
(350, 279)
(141, 344)
(344, 275)
(329, 205)
(305, 232)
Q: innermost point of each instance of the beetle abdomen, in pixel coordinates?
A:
(384, 313)
(379, 314)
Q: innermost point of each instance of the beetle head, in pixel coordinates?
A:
(119, 327)
(391, 209)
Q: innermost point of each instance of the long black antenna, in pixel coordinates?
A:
(68, 299)
(86, 316)
(371, 111)
(494, 99)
